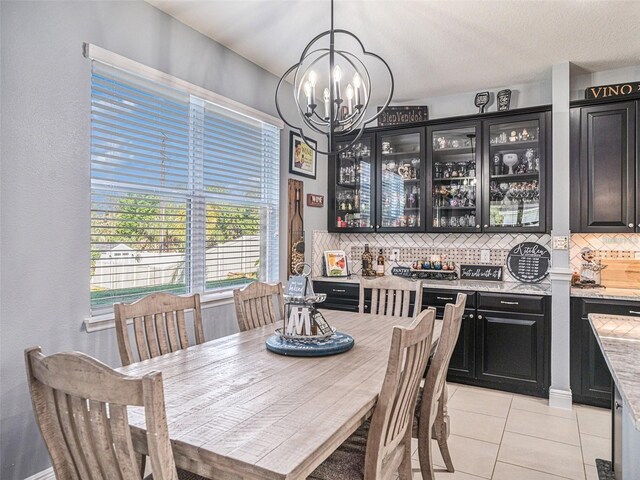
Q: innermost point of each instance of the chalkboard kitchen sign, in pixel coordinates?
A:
(629, 89)
(402, 115)
(529, 262)
(481, 272)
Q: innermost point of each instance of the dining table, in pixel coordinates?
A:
(238, 411)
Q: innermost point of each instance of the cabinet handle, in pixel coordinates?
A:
(444, 298)
(486, 226)
(509, 303)
(477, 226)
(377, 226)
(631, 225)
(471, 315)
(634, 312)
(479, 317)
(338, 290)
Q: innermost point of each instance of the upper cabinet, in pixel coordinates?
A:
(514, 198)
(400, 181)
(471, 175)
(604, 157)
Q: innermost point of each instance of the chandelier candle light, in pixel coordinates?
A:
(344, 110)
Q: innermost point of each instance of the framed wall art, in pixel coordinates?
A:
(302, 158)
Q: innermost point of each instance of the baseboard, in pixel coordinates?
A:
(560, 399)
(43, 475)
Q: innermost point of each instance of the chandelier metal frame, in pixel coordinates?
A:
(335, 124)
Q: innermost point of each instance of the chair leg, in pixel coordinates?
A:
(425, 456)
(441, 430)
(404, 470)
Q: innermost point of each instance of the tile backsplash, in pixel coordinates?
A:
(460, 248)
(606, 245)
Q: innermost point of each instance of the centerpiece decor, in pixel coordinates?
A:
(305, 331)
(343, 107)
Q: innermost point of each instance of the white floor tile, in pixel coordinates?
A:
(594, 421)
(470, 456)
(540, 405)
(476, 425)
(540, 425)
(543, 455)
(481, 401)
(506, 471)
(592, 472)
(595, 447)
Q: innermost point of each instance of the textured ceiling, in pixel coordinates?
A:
(434, 48)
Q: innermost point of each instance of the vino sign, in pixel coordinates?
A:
(613, 91)
(481, 272)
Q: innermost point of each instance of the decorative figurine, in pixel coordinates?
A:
(504, 100)
(482, 100)
(525, 134)
(513, 137)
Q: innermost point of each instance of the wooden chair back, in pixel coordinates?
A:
(437, 373)
(254, 305)
(389, 440)
(80, 406)
(159, 325)
(391, 296)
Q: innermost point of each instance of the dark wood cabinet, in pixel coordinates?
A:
(504, 340)
(439, 176)
(591, 381)
(604, 156)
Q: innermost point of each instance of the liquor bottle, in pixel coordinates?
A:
(380, 267)
(367, 262)
(296, 237)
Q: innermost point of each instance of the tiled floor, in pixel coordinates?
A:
(500, 436)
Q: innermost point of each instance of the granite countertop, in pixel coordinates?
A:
(619, 339)
(632, 294)
(478, 286)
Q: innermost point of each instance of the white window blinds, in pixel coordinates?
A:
(184, 192)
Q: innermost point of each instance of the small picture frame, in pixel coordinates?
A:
(302, 158)
(336, 264)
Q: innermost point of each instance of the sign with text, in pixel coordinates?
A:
(481, 272)
(529, 262)
(612, 91)
(402, 115)
(299, 286)
(314, 200)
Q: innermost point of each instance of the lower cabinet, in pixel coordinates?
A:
(504, 341)
(591, 382)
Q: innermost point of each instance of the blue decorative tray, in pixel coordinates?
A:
(337, 343)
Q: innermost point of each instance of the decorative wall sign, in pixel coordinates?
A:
(302, 157)
(402, 115)
(295, 226)
(482, 100)
(314, 200)
(504, 100)
(613, 91)
(529, 262)
(481, 272)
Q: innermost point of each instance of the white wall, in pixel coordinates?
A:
(45, 181)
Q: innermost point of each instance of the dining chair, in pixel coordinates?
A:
(382, 446)
(431, 408)
(80, 406)
(254, 305)
(159, 325)
(391, 296)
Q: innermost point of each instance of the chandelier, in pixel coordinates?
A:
(344, 80)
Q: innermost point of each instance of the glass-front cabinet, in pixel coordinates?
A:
(353, 198)
(400, 181)
(515, 187)
(454, 178)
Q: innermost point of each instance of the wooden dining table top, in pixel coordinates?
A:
(236, 410)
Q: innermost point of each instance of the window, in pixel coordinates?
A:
(184, 191)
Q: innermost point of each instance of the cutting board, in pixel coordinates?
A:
(620, 273)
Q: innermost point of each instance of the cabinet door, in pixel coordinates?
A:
(515, 165)
(351, 192)
(453, 178)
(607, 168)
(463, 361)
(400, 181)
(511, 349)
